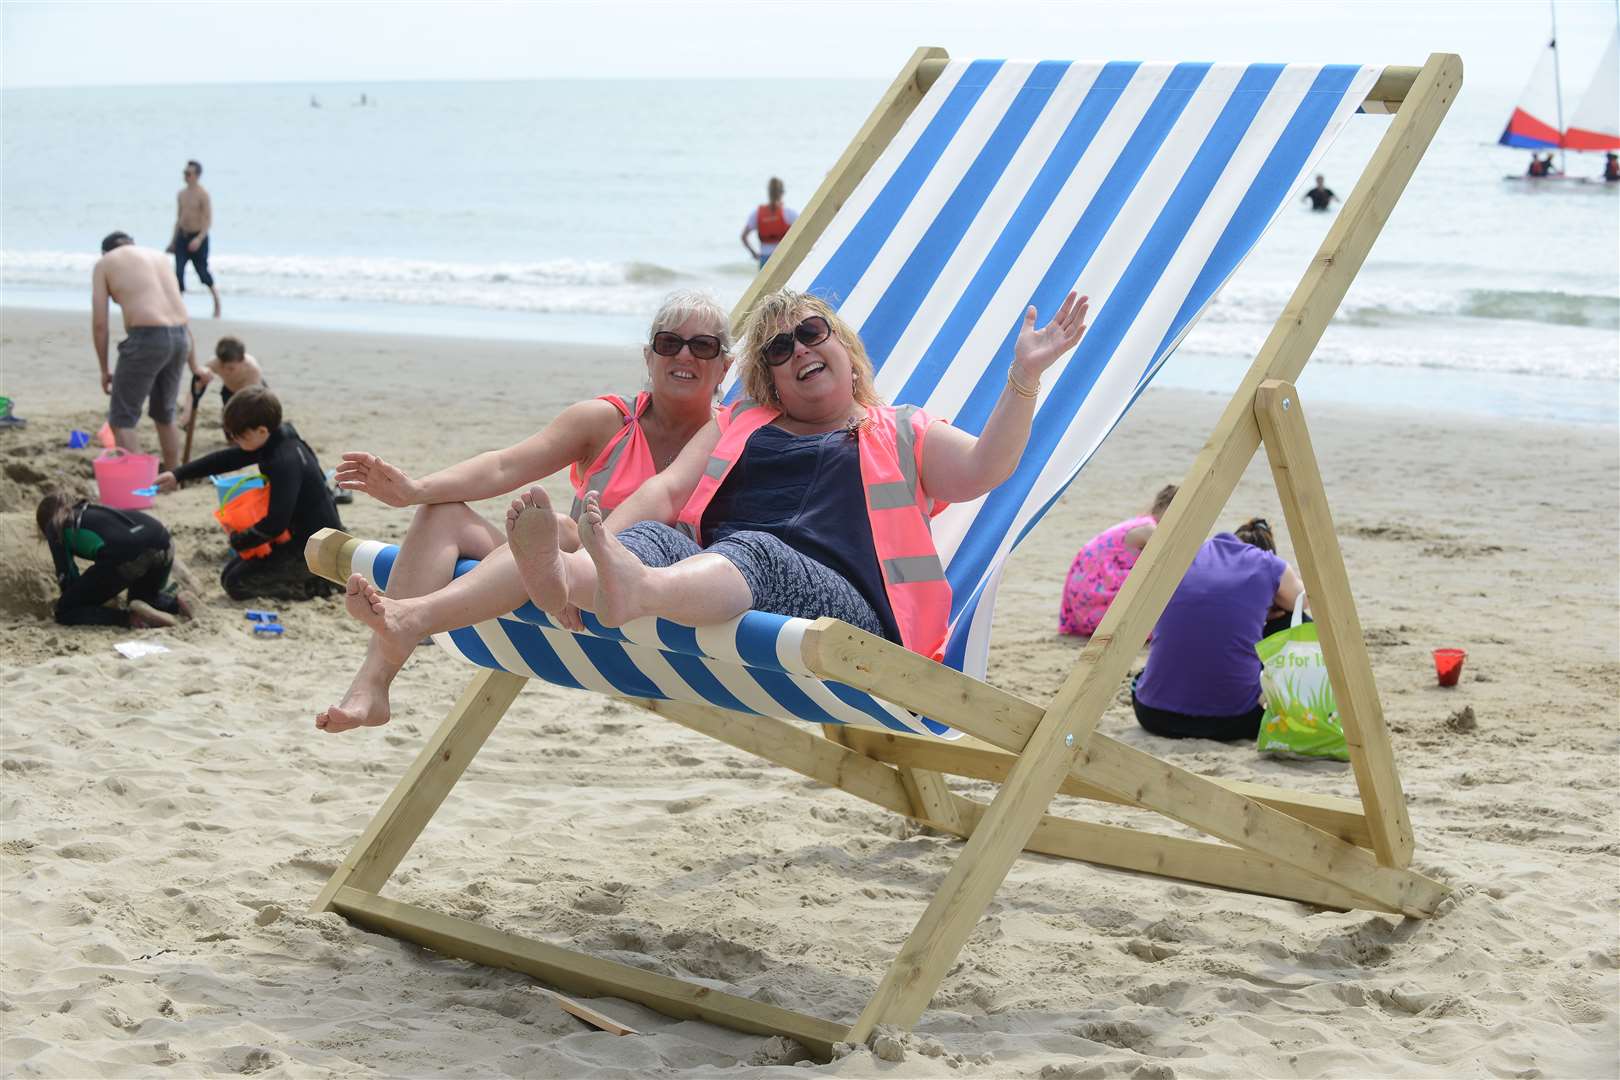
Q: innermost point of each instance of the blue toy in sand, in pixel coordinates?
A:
(265, 623)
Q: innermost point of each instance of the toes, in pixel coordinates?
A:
(354, 585)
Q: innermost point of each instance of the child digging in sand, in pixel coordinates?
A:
(236, 369)
(128, 552)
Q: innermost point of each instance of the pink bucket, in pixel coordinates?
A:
(119, 473)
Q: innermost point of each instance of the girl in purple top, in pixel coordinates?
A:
(1103, 564)
(1202, 679)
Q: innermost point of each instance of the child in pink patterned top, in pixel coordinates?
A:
(1102, 566)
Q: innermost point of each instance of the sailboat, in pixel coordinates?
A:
(1537, 121)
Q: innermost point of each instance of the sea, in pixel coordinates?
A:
(563, 211)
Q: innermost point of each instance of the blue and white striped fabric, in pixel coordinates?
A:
(752, 665)
(1141, 185)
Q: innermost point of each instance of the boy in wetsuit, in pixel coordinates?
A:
(127, 550)
(236, 369)
(300, 504)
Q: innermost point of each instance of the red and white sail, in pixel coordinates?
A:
(1534, 123)
(1596, 122)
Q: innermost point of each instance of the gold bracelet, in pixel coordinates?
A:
(1019, 388)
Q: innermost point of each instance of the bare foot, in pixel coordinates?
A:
(365, 705)
(391, 620)
(143, 616)
(531, 533)
(622, 581)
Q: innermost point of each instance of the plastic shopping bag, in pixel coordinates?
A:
(1302, 715)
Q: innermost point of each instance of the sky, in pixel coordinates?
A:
(65, 43)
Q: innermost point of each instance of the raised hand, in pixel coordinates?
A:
(1037, 350)
(359, 471)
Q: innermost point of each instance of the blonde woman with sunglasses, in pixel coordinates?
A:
(808, 498)
(609, 444)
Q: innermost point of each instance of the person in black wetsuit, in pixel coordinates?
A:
(1321, 195)
(300, 504)
(128, 551)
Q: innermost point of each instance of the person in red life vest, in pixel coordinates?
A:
(809, 497)
(770, 222)
(610, 444)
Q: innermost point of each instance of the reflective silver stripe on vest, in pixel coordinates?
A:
(913, 569)
(716, 468)
(891, 495)
(905, 440)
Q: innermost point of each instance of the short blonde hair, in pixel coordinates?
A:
(780, 311)
(684, 304)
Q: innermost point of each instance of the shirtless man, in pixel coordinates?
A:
(194, 216)
(156, 346)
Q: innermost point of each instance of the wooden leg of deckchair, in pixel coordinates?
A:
(931, 799)
(1321, 563)
(929, 793)
(424, 786)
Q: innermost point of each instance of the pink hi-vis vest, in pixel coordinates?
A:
(897, 508)
(624, 464)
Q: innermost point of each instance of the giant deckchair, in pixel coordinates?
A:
(976, 188)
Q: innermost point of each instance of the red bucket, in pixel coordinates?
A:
(1448, 665)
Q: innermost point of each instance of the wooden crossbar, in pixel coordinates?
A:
(971, 758)
(580, 973)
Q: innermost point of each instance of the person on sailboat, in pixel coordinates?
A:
(1611, 167)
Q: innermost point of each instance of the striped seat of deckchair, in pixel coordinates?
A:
(1141, 185)
(750, 665)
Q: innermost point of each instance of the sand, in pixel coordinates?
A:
(167, 821)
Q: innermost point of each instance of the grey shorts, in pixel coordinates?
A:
(782, 581)
(150, 362)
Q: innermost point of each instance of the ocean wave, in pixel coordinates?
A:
(1381, 303)
(1532, 305)
(31, 266)
(578, 286)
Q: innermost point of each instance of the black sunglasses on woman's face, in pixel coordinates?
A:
(778, 350)
(704, 346)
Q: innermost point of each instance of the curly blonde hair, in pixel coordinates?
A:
(781, 311)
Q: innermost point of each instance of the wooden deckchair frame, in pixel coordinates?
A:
(1332, 852)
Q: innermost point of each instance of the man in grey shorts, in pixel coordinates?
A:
(156, 348)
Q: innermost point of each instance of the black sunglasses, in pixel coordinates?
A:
(778, 350)
(704, 346)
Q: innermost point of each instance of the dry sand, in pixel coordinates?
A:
(168, 820)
